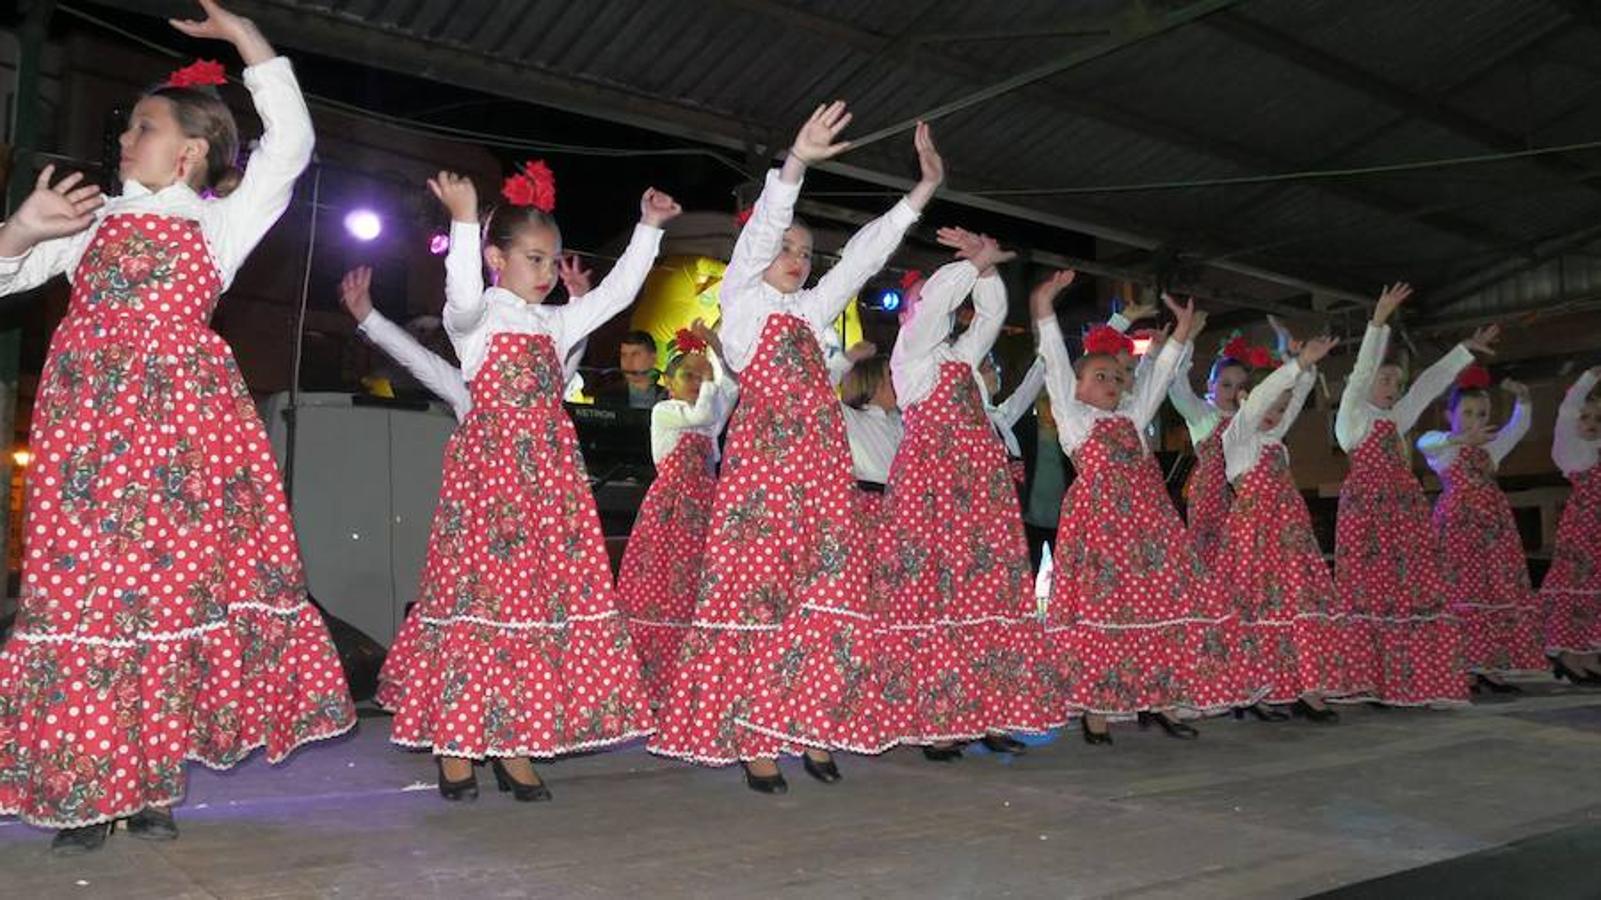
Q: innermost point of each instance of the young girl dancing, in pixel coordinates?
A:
(1486, 576)
(515, 648)
(663, 560)
(1269, 570)
(1571, 592)
(1387, 560)
(163, 613)
(1126, 631)
(1208, 486)
(778, 660)
(959, 641)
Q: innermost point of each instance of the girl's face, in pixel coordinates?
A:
(1387, 386)
(1103, 382)
(1590, 420)
(793, 265)
(1226, 388)
(527, 266)
(1471, 411)
(155, 151)
(692, 372)
(1275, 413)
(992, 378)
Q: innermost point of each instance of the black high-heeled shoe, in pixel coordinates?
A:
(1493, 686)
(78, 841)
(765, 784)
(1261, 712)
(943, 754)
(522, 792)
(1094, 737)
(153, 823)
(1307, 711)
(826, 772)
(1173, 727)
(463, 790)
(1560, 670)
(1004, 743)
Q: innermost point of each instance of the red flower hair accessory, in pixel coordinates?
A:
(1473, 378)
(200, 73)
(1252, 355)
(1107, 340)
(686, 342)
(534, 186)
(910, 279)
(743, 216)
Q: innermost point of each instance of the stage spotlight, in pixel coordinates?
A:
(889, 300)
(363, 224)
(439, 244)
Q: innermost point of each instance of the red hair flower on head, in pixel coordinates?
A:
(1237, 347)
(1473, 378)
(200, 73)
(686, 342)
(910, 279)
(1259, 357)
(1107, 340)
(743, 216)
(534, 186)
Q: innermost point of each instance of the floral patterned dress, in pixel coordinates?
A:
(164, 615)
(1387, 572)
(1486, 576)
(961, 647)
(1296, 637)
(663, 561)
(1126, 628)
(1571, 592)
(1209, 495)
(515, 646)
(779, 656)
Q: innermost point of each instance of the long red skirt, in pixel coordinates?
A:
(1571, 592)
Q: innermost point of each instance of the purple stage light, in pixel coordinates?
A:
(363, 224)
(439, 244)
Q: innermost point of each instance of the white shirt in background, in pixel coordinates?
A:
(1244, 439)
(671, 419)
(1572, 453)
(875, 436)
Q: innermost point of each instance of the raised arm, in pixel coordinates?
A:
(1429, 385)
(929, 324)
(1007, 414)
(47, 232)
(1351, 418)
(1516, 427)
(676, 414)
(1569, 450)
(621, 285)
(433, 371)
(1262, 397)
(1182, 394)
(464, 268)
(989, 314)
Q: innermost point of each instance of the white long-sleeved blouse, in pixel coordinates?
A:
(924, 342)
(232, 225)
(1244, 439)
(1571, 452)
(1357, 412)
(747, 301)
(1440, 452)
(1075, 419)
(671, 419)
(473, 315)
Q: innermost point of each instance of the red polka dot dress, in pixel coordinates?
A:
(1269, 571)
(515, 646)
(1486, 576)
(164, 615)
(1208, 495)
(1571, 592)
(1127, 627)
(779, 658)
(1387, 572)
(960, 642)
(663, 561)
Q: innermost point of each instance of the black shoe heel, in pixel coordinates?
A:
(152, 824)
(524, 793)
(1004, 743)
(1094, 737)
(1311, 713)
(79, 841)
(766, 784)
(1495, 687)
(942, 754)
(456, 791)
(1261, 713)
(1173, 727)
(827, 772)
